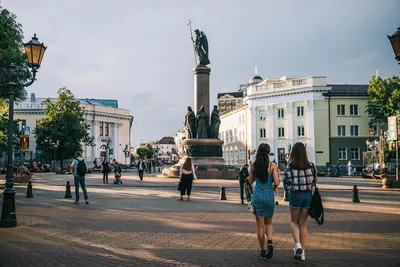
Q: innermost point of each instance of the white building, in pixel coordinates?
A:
(108, 125)
(179, 137)
(166, 148)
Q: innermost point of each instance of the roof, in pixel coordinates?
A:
(36, 102)
(166, 141)
(234, 94)
(104, 102)
(347, 90)
(255, 78)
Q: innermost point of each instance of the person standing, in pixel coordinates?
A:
(338, 172)
(79, 168)
(105, 169)
(349, 168)
(187, 176)
(300, 177)
(141, 166)
(243, 174)
(265, 174)
(384, 168)
(95, 163)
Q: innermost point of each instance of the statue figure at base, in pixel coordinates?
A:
(202, 123)
(215, 123)
(190, 123)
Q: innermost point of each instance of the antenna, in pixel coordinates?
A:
(255, 70)
(377, 73)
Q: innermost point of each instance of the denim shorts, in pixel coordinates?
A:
(300, 199)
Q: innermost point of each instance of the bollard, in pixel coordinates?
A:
(356, 199)
(68, 190)
(222, 195)
(29, 193)
(286, 195)
(159, 170)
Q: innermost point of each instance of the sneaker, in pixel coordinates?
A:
(87, 201)
(303, 256)
(76, 202)
(297, 253)
(141, 181)
(262, 255)
(270, 251)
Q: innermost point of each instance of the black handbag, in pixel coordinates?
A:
(180, 186)
(316, 210)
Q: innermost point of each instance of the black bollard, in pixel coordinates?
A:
(68, 190)
(356, 198)
(222, 194)
(159, 170)
(29, 193)
(286, 195)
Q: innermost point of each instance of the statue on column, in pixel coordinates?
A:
(215, 123)
(201, 47)
(190, 123)
(202, 123)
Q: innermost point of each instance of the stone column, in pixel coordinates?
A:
(252, 129)
(95, 148)
(271, 129)
(310, 130)
(121, 145)
(202, 88)
(289, 115)
(114, 139)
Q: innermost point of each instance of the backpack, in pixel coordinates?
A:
(316, 210)
(81, 168)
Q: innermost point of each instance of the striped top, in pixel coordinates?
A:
(300, 180)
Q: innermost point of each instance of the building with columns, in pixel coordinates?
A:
(109, 125)
(329, 119)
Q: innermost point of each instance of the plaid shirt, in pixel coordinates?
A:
(300, 180)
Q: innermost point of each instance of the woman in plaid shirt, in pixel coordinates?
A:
(300, 178)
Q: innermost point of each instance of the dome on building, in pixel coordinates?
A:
(255, 79)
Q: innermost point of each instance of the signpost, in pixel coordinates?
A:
(393, 136)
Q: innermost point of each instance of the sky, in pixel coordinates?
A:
(140, 52)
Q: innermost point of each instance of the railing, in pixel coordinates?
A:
(280, 84)
(29, 106)
(299, 82)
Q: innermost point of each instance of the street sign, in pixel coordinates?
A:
(392, 128)
(111, 151)
(26, 130)
(24, 142)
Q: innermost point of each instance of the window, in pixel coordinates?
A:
(227, 137)
(341, 130)
(107, 128)
(342, 153)
(281, 132)
(236, 155)
(261, 115)
(281, 113)
(354, 110)
(341, 110)
(300, 111)
(300, 130)
(262, 133)
(354, 130)
(355, 153)
(230, 136)
(101, 129)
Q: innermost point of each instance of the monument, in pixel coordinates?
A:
(202, 143)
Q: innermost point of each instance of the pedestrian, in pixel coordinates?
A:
(79, 168)
(384, 168)
(153, 163)
(243, 174)
(338, 172)
(141, 166)
(377, 167)
(187, 175)
(149, 162)
(105, 169)
(39, 166)
(265, 174)
(95, 163)
(300, 177)
(349, 168)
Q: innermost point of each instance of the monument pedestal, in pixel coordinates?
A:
(202, 88)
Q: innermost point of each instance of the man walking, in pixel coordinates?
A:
(243, 174)
(79, 168)
(140, 166)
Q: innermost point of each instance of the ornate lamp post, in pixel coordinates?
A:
(373, 146)
(395, 41)
(34, 51)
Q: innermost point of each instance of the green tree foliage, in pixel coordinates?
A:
(11, 47)
(384, 99)
(4, 127)
(65, 123)
(145, 151)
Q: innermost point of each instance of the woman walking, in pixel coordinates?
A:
(187, 175)
(300, 177)
(105, 168)
(265, 174)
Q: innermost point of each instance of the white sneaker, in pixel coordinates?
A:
(141, 181)
(303, 256)
(297, 251)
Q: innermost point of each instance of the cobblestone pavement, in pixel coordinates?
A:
(145, 225)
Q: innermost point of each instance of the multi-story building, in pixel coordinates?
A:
(109, 125)
(329, 119)
(229, 101)
(166, 148)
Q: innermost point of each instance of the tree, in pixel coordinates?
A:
(11, 47)
(384, 99)
(145, 151)
(65, 123)
(4, 127)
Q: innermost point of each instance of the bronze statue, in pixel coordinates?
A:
(190, 123)
(202, 123)
(215, 123)
(201, 47)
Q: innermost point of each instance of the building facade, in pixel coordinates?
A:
(166, 148)
(109, 125)
(284, 111)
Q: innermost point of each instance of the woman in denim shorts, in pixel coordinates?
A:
(300, 178)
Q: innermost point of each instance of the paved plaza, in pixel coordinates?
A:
(138, 224)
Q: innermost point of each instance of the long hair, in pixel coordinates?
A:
(299, 158)
(262, 162)
(188, 164)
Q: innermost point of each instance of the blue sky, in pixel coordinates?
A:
(140, 53)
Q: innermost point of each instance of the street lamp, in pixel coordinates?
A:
(55, 145)
(34, 51)
(395, 41)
